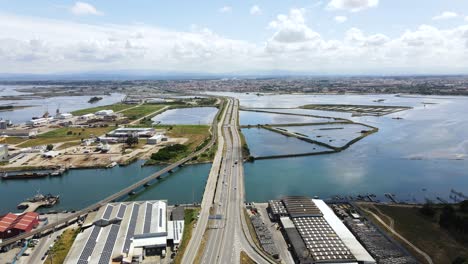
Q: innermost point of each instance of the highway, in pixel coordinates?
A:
(228, 236)
(115, 196)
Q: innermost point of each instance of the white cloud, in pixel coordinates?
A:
(225, 9)
(445, 15)
(82, 8)
(352, 5)
(255, 10)
(37, 45)
(466, 18)
(341, 19)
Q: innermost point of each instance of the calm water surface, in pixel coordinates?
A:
(426, 150)
(80, 188)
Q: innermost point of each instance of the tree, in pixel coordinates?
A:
(49, 147)
(427, 210)
(464, 206)
(447, 217)
(131, 140)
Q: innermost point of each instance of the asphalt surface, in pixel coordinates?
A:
(227, 236)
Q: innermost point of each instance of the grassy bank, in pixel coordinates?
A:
(65, 134)
(189, 221)
(92, 110)
(141, 111)
(196, 135)
(245, 259)
(425, 233)
(59, 251)
(13, 140)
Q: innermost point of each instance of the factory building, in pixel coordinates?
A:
(24, 133)
(15, 224)
(64, 116)
(315, 233)
(132, 131)
(156, 139)
(126, 232)
(87, 117)
(38, 122)
(104, 113)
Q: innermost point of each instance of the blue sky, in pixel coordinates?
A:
(327, 36)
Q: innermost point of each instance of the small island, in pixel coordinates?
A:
(94, 99)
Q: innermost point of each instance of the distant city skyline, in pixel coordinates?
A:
(351, 37)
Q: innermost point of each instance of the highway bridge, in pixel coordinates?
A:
(121, 193)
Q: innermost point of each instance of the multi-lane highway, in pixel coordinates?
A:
(228, 235)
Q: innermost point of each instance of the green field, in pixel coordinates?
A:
(65, 134)
(196, 135)
(425, 233)
(13, 140)
(141, 111)
(114, 107)
(59, 251)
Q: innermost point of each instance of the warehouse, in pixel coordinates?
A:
(128, 231)
(156, 139)
(15, 224)
(132, 131)
(315, 233)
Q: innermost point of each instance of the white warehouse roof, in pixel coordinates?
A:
(359, 252)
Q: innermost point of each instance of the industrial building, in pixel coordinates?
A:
(156, 139)
(38, 122)
(104, 113)
(64, 116)
(126, 232)
(24, 133)
(132, 131)
(15, 224)
(315, 233)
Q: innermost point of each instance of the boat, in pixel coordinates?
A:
(27, 175)
(58, 172)
(112, 164)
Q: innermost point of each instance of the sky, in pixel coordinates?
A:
(248, 36)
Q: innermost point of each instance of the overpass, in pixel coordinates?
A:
(122, 192)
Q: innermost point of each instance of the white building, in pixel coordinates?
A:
(126, 230)
(3, 152)
(87, 117)
(132, 131)
(64, 116)
(38, 122)
(50, 154)
(155, 139)
(104, 113)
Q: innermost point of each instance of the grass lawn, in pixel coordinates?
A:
(62, 135)
(141, 111)
(189, 221)
(60, 249)
(114, 107)
(13, 140)
(195, 134)
(425, 233)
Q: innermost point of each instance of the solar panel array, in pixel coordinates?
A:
(131, 228)
(301, 206)
(109, 245)
(121, 212)
(148, 218)
(321, 240)
(90, 244)
(108, 212)
(277, 207)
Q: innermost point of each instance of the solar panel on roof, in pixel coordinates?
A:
(90, 244)
(109, 246)
(121, 212)
(131, 228)
(148, 218)
(108, 212)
